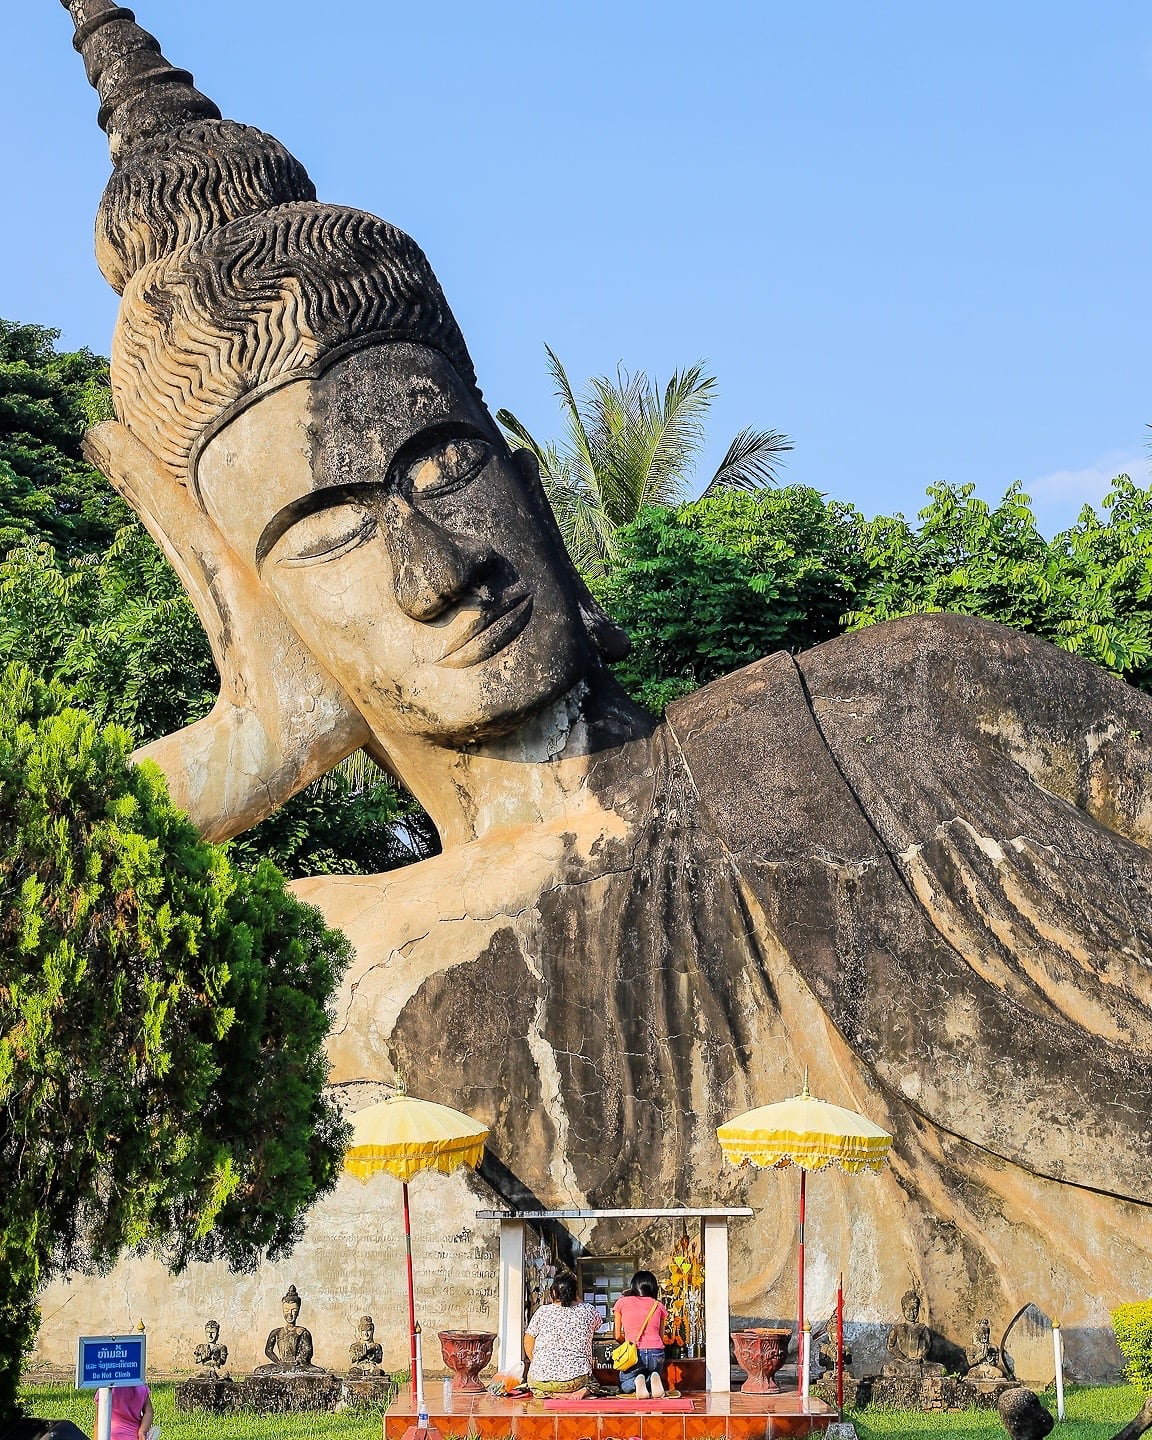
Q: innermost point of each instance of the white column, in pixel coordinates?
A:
(511, 1294)
(104, 1413)
(716, 1366)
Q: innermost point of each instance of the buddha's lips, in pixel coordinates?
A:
(489, 632)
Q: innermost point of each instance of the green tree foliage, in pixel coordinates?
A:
(713, 585)
(47, 400)
(629, 444)
(1133, 1327)
(717, 584)
(705, 587)
(116, 627)
(353, 821)
(162, 1017)
(1088, 590)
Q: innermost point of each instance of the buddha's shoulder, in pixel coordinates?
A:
(929, 671)
(912, 705)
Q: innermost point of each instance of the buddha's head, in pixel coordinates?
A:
(290, 1305)
(212, 1331)
(910, 1305)
(295, 367)
(366, 1328)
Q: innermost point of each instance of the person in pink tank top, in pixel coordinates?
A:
(131, 1412)
(638, 1316)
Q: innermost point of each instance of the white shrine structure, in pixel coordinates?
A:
(713, 1248)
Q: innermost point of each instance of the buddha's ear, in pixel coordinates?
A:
(610, 640)
(281, 719)
(191, 542)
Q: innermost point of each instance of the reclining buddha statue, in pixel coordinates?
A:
(914, 859)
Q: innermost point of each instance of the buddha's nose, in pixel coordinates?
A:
(432, 569)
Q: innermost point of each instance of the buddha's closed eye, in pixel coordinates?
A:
(326, 535)
(445, 467)
(322, 532)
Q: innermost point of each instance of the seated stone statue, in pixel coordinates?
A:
(825, 1336)
(909, 1344)
(364, 1354)
(984, 1358)
(881, 858)
(289, 1347)
(211, 1356)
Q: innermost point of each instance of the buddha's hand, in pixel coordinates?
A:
(281, 720)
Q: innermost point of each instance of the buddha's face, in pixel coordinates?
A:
(367, 1330)
(212, 1332)
(911, 1309)
(411, 553)
(291, 1312)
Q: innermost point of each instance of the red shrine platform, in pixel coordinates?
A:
(713, 1417)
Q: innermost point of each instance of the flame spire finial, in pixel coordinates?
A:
(180, 170)
(141, 94)
(232, 272)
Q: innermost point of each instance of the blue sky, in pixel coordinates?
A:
(914, 236)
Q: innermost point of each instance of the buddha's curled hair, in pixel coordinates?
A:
(232, 275)
(172, 188)
(256, 299)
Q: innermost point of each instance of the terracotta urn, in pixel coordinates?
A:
(466, 1352)
(761, 1353)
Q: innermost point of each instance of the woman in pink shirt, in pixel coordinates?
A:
(131, 1412)
(638, 1316)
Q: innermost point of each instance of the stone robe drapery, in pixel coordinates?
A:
(913, 860)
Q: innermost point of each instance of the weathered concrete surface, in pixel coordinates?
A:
(603, 990)
(914, 861)
(350, 1261)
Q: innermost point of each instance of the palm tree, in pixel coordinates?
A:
(627, 446)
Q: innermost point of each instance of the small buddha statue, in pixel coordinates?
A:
(825, 1341)
(289, 1348)
(984, 1361)
(211, 1356)
(909, 1344)
(364, 1354)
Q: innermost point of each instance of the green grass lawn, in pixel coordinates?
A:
(1093, 1414)
(62, 1402)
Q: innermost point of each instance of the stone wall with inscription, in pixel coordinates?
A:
(349, 1263)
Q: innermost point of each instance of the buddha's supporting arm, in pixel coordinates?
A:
(280, 721)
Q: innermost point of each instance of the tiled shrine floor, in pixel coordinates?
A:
(713, 1417)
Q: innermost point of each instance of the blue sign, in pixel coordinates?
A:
(103, 1360)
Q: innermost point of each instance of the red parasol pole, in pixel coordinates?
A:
(840, 1346)
(800, 1305)
(411, 1289)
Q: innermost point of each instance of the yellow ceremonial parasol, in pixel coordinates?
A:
(810, 1134)
(403, 1136)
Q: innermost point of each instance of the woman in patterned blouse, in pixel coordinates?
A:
(558, 1343)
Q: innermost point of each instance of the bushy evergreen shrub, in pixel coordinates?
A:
(1133, 1327)
(162, 1019)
